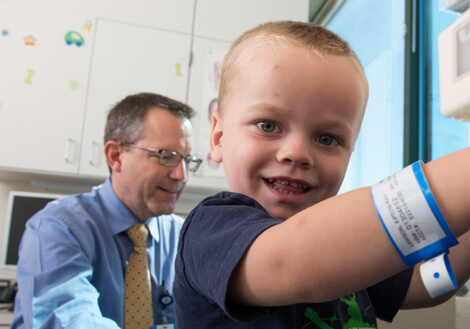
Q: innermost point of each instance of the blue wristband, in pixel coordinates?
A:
(411, 216)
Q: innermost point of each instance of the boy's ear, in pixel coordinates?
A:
(216, 138)
(113, 151)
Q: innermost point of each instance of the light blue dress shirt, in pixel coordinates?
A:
(72, 260)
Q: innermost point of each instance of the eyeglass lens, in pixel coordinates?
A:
(168, 158)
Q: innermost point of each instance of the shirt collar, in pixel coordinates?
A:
(118, 217)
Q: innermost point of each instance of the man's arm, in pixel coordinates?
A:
(339, 245)
(53, 274)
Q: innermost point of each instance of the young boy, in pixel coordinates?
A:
(279, 250)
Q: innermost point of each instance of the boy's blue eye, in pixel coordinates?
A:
(267, 126)
(327, 140)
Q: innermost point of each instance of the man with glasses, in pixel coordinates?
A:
(74, 252)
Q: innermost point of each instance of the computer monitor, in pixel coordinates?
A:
(21, 206)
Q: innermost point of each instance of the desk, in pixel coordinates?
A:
(6, 316)
(462, 312)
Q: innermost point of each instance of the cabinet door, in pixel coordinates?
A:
(174, 15)
(45, 59)
(226, 20)
(129, 59)
(204, 84)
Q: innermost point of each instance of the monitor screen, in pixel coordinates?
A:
(21, 206)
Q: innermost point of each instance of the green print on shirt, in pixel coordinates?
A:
(355, 322)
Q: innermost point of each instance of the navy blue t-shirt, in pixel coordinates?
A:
(216, 235)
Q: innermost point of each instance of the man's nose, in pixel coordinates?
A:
(180, 172)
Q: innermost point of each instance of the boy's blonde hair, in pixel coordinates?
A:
(282, 34)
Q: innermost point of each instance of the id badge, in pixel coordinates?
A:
(164, 326)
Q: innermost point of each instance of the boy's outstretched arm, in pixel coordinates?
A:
(339, 246)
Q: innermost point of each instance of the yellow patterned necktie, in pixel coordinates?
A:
(138, 312)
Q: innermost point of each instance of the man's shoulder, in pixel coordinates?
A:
(75, 208)
(72, 203)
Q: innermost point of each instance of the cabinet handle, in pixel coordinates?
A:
(68, 145)
(92, 154)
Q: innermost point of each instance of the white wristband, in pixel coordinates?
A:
(437, 275)
(411, 216)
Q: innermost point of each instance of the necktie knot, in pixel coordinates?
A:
(138, 233)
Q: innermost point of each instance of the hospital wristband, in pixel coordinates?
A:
(416, 226)
(411, 216)
(437, 275)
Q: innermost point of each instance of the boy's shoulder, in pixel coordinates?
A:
(227, 198)
(228, 211)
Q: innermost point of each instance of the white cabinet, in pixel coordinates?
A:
(227, 20)
(174, 15)
(206, 61)
(128, 59)
(55, 96)
(43, 84)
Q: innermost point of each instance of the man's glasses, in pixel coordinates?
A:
(170, 158)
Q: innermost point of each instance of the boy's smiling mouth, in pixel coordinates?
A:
(287, 186)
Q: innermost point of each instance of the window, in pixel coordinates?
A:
(375, 31)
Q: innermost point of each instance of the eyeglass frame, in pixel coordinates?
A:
(158, 153)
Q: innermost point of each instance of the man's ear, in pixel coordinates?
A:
(216, 138)
(113, 151)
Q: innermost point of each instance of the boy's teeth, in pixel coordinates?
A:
(275, 183)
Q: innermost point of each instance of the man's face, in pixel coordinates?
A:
(287, 128)
(147, 188)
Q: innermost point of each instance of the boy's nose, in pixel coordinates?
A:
(298, 152)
